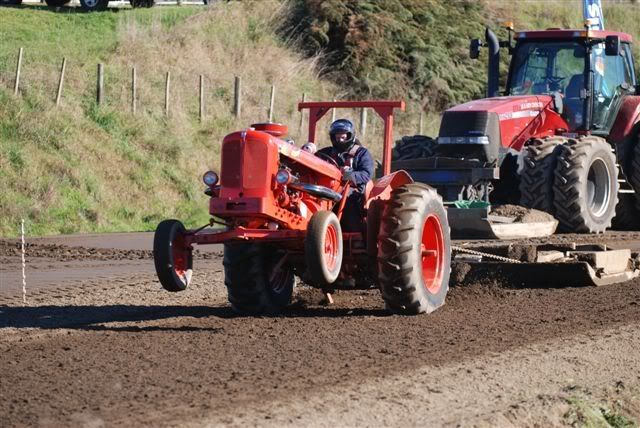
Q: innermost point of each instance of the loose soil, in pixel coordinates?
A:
(521, 214)
(114, 349)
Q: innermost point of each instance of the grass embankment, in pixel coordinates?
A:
(80, 167)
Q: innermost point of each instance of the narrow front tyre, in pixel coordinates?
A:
(172, 258)
(323, 248)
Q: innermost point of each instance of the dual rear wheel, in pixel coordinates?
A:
(576, 180)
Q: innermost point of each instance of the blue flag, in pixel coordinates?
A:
(592, 10)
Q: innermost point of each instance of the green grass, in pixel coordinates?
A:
(83, 167)
(585, 412)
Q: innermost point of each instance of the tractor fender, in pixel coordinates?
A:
(628, 117)
(383, 187)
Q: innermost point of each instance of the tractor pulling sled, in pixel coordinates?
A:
(280, 209)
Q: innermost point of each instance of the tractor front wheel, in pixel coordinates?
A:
(586, 186)
(323, 248)
(414, 251)
(173, 260)
(257, 279)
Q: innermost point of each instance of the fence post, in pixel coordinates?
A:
(61, 81)
(166, 93)
(100, 84)
(134, 89)
(236, 96)
(304, 98)
(271, 101)
(24, 264)
(18, 68)
(421, 123)
(363, 122)
(333, 113)
(201, 97)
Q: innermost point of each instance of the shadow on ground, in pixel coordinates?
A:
(90, 317)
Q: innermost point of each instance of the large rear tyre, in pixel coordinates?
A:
(142, 3)
(634, 173)
(536, 178)
(627, 215)
(413, 147)
(323, 248)
(173, 261)
(586, 186)
(257, 282)
(94, 5)
(414, 251)
(56, 3)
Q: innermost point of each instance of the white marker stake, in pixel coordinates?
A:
(24, 276)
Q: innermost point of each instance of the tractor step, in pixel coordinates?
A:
(479, 223)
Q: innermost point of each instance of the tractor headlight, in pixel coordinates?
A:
(283, 177)
(210, 178)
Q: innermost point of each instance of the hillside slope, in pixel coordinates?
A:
(80, 167)
(419, 48)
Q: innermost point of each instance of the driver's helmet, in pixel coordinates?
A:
(342, 126)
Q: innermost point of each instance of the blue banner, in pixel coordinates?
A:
(592, 10)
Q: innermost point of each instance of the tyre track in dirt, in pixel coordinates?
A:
(122, 351)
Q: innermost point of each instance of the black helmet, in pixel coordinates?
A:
(342, 126)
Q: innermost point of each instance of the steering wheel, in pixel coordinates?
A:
(325, 157)
(554, 82)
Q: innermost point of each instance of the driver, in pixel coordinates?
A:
(357, 167)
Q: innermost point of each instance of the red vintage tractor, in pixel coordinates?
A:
(563, 137)
(280, 209)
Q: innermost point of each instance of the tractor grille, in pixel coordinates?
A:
(471, 124)
(256, 154)
(231, 164)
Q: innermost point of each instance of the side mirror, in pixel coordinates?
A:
(474, 48)
(612, 46)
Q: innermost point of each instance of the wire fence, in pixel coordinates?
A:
(174, 93)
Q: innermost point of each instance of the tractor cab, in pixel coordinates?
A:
(588, 73)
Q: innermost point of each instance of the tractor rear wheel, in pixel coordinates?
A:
(141, 3)
(586, 186)
(173, 260)
(413, 147)
(414, 251)
(634, 173)
(536, 177)
(56, 3)
(257, 282)
(94, 5)
(323, 248)
(627, 215)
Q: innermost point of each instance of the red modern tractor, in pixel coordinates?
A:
(563, 137)
(280, 209)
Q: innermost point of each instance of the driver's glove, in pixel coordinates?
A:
(347, 174)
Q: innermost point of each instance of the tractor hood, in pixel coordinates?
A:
(499, 123)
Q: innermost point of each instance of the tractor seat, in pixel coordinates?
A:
(573, 104)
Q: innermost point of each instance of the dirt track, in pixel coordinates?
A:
(113, 349)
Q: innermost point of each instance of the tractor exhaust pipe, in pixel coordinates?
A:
(493, 78)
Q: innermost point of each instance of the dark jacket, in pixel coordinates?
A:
(359, 159)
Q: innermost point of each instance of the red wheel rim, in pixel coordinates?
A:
(331, 247)
(432, 250)
(180, 256)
